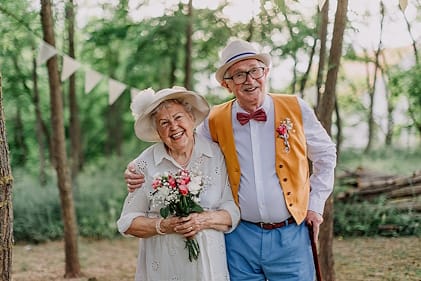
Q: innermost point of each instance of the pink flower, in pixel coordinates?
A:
(283, 130)
(184, 190)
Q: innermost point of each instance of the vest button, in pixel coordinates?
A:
(285, 179)
(289, 193)
(290, 204)
(281, 166)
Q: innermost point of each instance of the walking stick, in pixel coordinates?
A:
(314, 250)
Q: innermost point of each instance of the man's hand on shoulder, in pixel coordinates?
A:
(133, 180)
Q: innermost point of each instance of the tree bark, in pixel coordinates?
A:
(75, 135)
(39, 125)
(324, 20)
(325, 110)
(6, 208)
(72, 266)
(188, 62)
(372, 89)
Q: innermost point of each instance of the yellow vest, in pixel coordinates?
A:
(291, 167)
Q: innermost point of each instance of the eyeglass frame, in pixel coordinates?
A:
(246, 74)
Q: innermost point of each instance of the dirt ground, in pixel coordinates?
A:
(358, 259)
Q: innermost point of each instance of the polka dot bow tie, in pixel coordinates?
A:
(258, 115)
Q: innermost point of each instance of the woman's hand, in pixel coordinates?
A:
(189, 226)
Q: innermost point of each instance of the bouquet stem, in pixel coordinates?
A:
(193, 248)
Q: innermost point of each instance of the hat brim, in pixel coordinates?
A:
(265, 58)
(146, 131)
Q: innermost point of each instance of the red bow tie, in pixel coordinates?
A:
(258, 115)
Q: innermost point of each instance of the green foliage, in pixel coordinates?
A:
(98, 195)
(372, 218)
(365, 218)
(393, 161)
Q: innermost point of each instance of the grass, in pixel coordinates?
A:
(356, 259)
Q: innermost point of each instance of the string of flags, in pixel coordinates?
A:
(92, 77)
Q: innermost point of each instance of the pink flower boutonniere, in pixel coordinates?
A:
(284, 130)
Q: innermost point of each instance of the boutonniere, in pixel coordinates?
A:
(284, 130)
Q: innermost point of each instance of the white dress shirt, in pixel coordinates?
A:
(260, 194)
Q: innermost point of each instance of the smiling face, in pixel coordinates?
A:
(251, 93)
(175, 126)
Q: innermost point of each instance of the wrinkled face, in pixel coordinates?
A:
(175, 126)
(251, 93)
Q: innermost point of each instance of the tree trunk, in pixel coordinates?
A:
(372, 89)
(324, 20)
(75, 135)
(39, 125)
(189, 32)
(6, 208)
(325, 110)
(414, 42)
(72, 268)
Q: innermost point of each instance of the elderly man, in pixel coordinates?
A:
(267, 140)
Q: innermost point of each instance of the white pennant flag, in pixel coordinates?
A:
(46, 51)
(321, 4)
(115, 90)
(91, 79)
(133, 93)
(403, 4)
(69, 67)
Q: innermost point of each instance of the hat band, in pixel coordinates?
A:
(239, 55)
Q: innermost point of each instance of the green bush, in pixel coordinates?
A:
(98, 195)
(357, 218)
(372, 218)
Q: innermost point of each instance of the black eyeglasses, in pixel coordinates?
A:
(241, 77)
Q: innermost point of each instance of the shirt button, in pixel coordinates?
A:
(289, 193)
(290, 204)
(285, 179)
(281, 166)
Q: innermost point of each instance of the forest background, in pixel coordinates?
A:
(376, 121)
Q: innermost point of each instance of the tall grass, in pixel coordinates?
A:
(100, 190)
(98, 195)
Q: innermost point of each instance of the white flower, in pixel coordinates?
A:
(195, 185)
(140, 102)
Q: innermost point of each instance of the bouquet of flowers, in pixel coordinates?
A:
(179, 194)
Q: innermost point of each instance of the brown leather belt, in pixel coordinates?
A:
(270, 226)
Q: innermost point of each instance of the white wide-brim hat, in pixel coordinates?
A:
(146, 101)
(238, 50)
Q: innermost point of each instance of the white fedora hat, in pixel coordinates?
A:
(238, 50)
(146, 101)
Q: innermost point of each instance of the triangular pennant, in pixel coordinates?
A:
(91, 79)
(403, 4)
(115, 90)
(321, 4)
(46, 51)
(133, 93)
(69, 67)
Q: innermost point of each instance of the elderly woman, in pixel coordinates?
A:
(169, 117)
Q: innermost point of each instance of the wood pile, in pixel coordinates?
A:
(401, 192)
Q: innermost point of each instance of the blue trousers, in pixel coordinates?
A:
(256, 254)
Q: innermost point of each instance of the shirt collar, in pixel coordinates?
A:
(265, 105)
(201, 147)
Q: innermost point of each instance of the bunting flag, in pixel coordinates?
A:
(92, 78)
(115, 90)
(46, 51)
(403, 4)
(321, 4)
(69, 67)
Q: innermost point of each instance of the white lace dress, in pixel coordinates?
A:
(164, 257)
